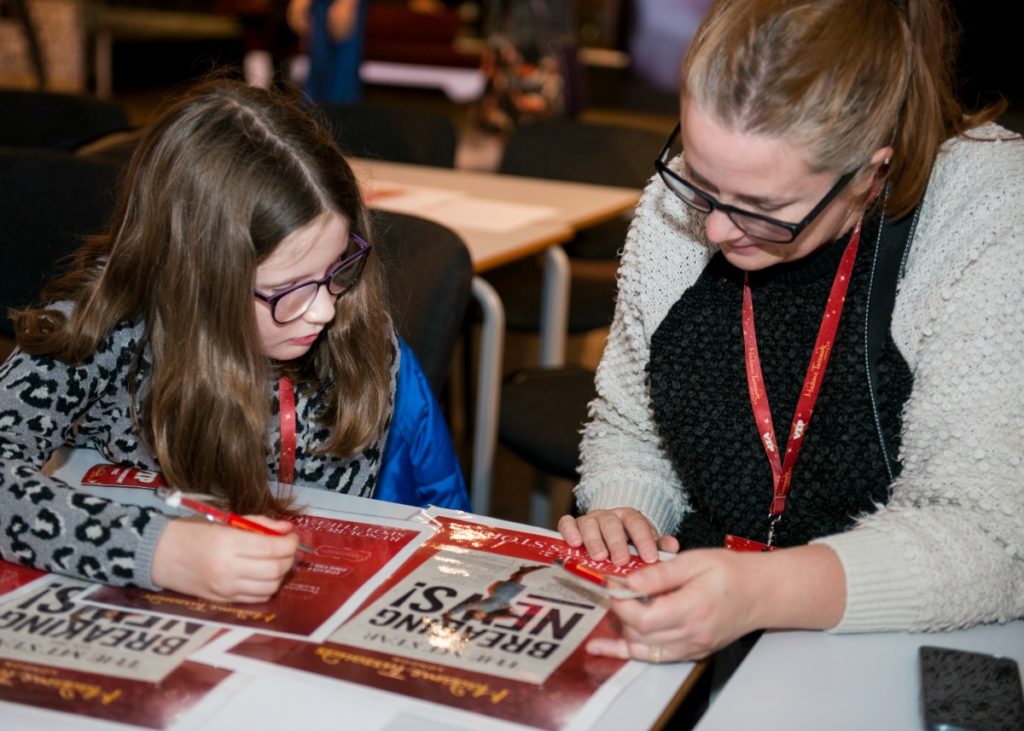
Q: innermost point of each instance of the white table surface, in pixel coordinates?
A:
(278, 699)
(815, 681)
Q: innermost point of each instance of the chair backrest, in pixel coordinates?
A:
(397, 134)
(56, 121)
(49, 201)
(428, 272)
(586, 152)
(583, 152)
(115, 148)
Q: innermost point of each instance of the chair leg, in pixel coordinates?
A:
(488, 396)
(554, 307)
(540, 501)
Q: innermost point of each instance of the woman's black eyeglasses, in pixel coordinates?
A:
(292, 303)
(752, 224)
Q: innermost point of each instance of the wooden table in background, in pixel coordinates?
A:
(551, 212)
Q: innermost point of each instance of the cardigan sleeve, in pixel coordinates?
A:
(622, 460)
(45, 523)
(947, 550)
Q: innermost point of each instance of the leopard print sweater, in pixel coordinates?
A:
(46, 404)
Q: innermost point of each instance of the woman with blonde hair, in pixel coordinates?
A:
(229, 331)
(835, 237)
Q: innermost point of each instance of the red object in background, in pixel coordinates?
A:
(112, 475)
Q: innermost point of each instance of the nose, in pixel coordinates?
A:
(322, 310)
(719, 228)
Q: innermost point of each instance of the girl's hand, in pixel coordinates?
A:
(706, 598)
(606, 534)
(221, 563)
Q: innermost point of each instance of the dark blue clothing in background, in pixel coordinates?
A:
(334, 67)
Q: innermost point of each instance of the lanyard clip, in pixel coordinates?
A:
(773, 520)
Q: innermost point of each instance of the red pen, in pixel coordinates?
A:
(619, 591)
(175, 499)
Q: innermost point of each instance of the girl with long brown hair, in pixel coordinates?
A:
(828, 233)
(229, 330)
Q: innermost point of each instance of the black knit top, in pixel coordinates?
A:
(702, 407)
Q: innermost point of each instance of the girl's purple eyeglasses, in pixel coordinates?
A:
(292, 303)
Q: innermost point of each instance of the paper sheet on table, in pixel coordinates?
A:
(456, 209)
(419, 200)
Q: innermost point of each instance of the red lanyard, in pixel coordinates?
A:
(782, 469)
(286, 399)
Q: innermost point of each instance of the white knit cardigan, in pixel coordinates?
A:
(948, 549)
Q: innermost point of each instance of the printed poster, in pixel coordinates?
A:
(112, 665)
(346, 556)
(477, 619)
(13, 576)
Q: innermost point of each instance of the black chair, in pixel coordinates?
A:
(49, 201)
(428, 274)
(56, 121)
(543, 409)
(115, 148)
(581, 152)
(542, 412)
(396, 134)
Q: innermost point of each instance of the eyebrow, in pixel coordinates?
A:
(296, 280)
(767, 204)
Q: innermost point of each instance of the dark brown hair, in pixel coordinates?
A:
(225, 174)
(842, 78)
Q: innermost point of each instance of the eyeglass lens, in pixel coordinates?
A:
(755, 227)
(294, 304)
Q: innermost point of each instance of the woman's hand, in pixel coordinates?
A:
(702, 601)
(706, 598)
(220, 563)
(606, 534)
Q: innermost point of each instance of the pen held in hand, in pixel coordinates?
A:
(613, 586)
(175, 499)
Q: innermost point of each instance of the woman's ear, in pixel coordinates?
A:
(877, 171)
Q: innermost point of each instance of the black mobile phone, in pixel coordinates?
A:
(970, 691)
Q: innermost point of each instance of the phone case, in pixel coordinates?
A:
(970, 691)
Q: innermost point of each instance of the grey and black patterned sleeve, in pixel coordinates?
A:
(45, 523)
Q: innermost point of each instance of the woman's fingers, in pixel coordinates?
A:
(607, 534)
(642, 534)
(626, 650)
(570, 531)
(669, 544)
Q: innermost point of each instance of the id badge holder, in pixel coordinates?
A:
(736, 543)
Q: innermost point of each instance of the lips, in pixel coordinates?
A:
(744, 247)
(306, 340)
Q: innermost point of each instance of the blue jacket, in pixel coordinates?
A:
(419, 465)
